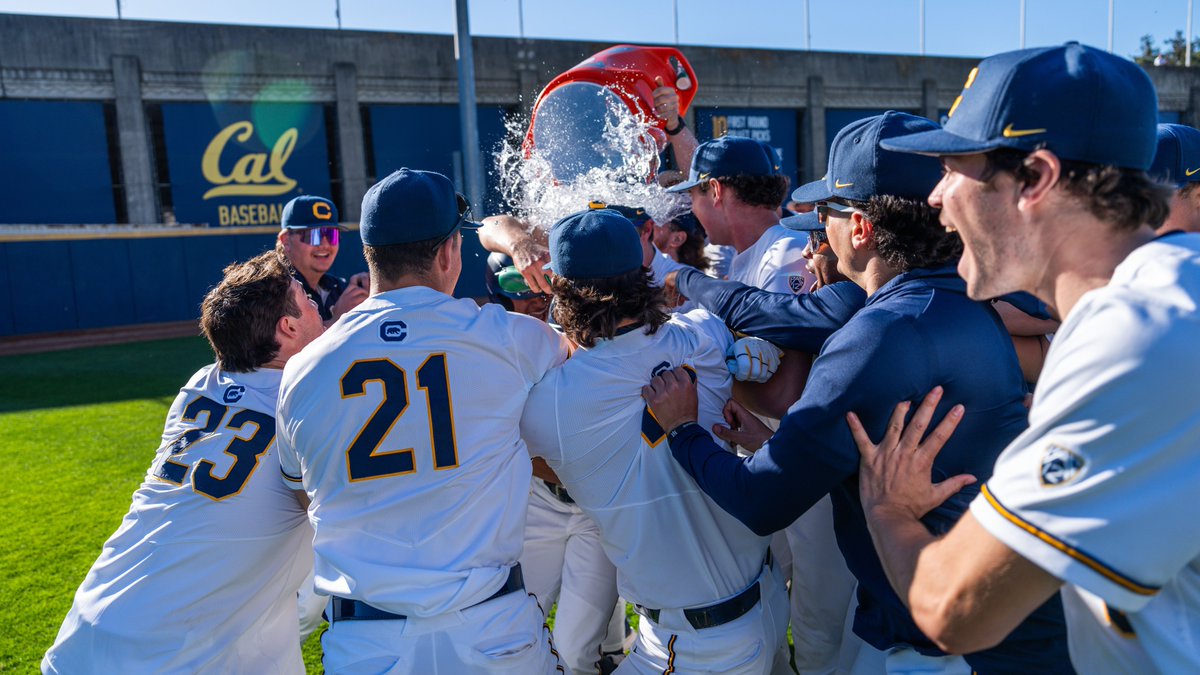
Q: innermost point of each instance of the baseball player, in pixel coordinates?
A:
(736, 189)
(1098, 497)
(202, 574)
(1177, 162)
(562, 561)
(888, 241)
(308, 238)
(709, 602)
(400, 427)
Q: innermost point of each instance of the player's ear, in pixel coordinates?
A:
(677, 238)
(862, 231)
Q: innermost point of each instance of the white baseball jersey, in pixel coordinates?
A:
(774, 263)
(673, 547)
(202, 574)
(1101, 491)
(400, 422)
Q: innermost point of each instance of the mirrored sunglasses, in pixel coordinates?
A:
(313, 236)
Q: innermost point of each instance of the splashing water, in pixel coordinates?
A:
(588, 146)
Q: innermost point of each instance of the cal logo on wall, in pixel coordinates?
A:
(239, 163)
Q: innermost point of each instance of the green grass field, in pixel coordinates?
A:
(78, 429)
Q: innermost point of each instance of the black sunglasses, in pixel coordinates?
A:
(816, 238)
(464, 214)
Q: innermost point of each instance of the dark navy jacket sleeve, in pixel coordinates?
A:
(800, 322)
(867, 368)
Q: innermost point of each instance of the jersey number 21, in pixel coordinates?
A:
(364, 460)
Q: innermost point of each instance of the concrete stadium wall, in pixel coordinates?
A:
(134, 68)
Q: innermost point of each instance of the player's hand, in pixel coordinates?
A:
(894, 474)
(672, 398)
(351, 297)
(741, 427)
(666, 103)
(752, 359)
(530, 258)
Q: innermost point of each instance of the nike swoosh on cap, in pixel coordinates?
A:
(839, 186)
(1189, 172)
(1010, 132)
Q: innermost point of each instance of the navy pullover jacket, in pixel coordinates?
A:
(918, 331)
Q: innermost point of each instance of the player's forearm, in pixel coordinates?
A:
(503, 234)
(899, 540)
(801, 322)
(764, 498)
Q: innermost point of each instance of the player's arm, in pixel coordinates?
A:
(302, 498)
(543, 471)
(966, 590)
(802, 322)
(773, 397)
(525, 245)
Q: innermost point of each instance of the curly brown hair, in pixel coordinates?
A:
(239, 315)
(1125, 198)
(591, 309)
(907, 233)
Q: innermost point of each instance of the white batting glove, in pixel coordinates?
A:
(752, 359)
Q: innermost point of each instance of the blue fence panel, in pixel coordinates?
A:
(6, 290)
(56, 165)
(239, 163)
(161, 293)
(43, 286)
(104, 280)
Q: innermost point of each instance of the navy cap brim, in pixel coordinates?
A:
(816, 191)
(684, 186)
(803, 222)
(309, 226)
(938, 142)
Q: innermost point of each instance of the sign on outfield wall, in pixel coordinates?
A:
(239, 163)
(774, 126)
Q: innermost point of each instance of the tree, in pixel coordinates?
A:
(1173, 53)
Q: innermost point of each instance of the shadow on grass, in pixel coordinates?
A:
(100, 374)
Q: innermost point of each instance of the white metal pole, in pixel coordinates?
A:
(807, 28)
(1187, 56)
(675, 7)
(1022, 24)
(1110, 26)
(118, 10)
(337, 11)
(922, 20)
(521, 18)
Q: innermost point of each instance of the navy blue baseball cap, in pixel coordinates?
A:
(594, 244)
(307, 211)
(636, 214)
(1079, 102)
(1177, 159)
(726, 157)
(860, 169)
(410, 206)
(803, 222)
(688, 222)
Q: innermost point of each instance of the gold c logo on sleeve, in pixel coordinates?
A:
(254, 174)
(1010, 132)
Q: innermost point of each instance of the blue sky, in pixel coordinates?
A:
(952, 27)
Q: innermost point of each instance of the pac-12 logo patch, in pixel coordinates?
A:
(796, 283)
(393, 331)
(1060, 466)
(233, 393)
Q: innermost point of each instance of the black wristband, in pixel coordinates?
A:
(677, 430)
(676, 130)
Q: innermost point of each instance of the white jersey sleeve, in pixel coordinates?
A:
(1100, 491)
(662, 265)
(783, 267)
(538, 346)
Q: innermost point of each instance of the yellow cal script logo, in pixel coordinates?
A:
(255, 174)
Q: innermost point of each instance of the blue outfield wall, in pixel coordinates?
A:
(56, 163)
(52, 286)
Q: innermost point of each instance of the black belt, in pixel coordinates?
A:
(713, 615)
(560, 492)
(346, 609)
(720, 613)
